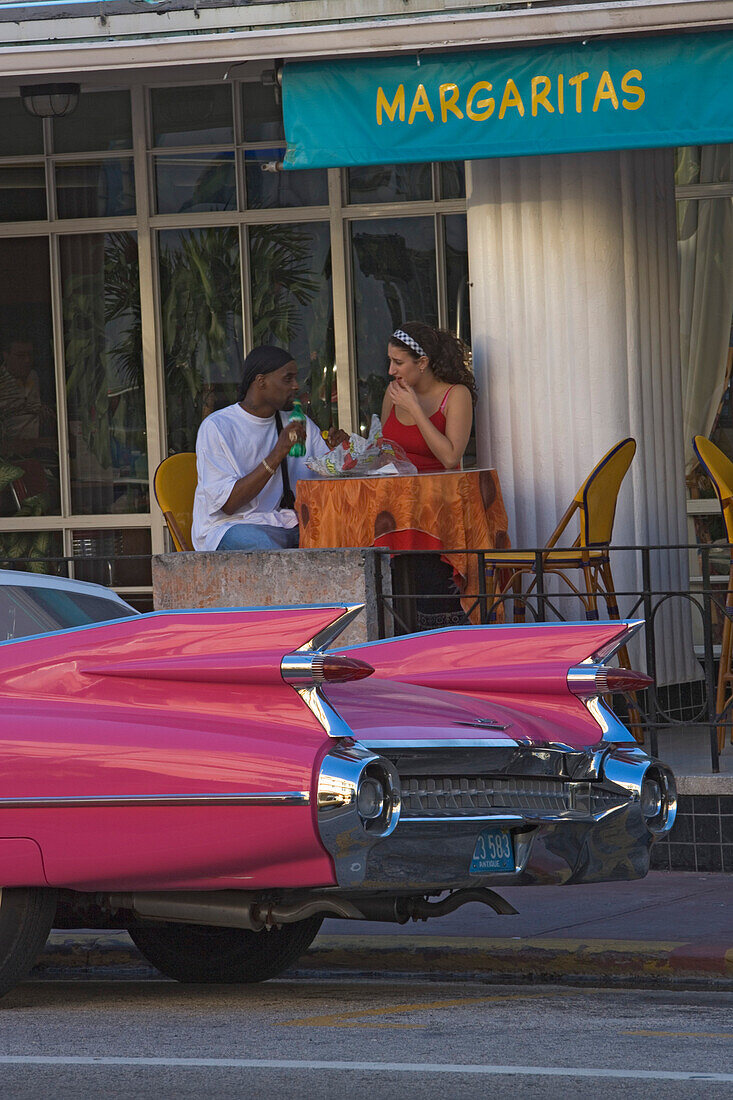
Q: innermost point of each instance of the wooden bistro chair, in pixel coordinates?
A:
(174, 485)
(595, 503)
(719, 469)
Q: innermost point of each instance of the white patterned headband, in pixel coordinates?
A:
(400, 335)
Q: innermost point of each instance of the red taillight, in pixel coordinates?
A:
(610, 680)
(336, 670)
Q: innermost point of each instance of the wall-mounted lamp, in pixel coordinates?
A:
(273, 78)
(50, 100)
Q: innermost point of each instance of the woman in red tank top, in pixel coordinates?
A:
(428, 406)
(427, 409)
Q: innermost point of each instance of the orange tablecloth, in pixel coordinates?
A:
(447, 511)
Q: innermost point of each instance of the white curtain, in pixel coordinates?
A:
(705, 229)
(574, 306)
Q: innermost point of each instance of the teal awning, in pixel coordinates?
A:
(624, 94)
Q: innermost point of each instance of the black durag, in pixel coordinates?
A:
(262, 360)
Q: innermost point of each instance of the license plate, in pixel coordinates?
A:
(494, 851)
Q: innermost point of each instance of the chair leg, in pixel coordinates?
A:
(591, 588)
(724, 668)
(519, 606)
(499, 583)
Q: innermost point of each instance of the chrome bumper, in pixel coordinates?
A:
(596, 832)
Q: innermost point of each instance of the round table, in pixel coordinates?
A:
(448, 512)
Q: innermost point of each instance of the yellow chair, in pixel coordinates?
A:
(174, 485)
(719, 469)
(595, 500)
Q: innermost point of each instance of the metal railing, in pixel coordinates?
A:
(683, 622)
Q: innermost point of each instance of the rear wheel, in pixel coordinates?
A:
(203, 953)
(26, 917)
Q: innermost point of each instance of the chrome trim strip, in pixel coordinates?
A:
(612, 728)
(259, 798)
(633, 626)
(443, 743)
(330, 719)
(324, 637)
(500, 819)
(485, 724)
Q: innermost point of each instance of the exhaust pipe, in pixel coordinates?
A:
(241, 909)
(230, 908)
(400, 910)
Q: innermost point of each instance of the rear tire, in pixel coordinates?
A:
(26, 918)
(203, 953)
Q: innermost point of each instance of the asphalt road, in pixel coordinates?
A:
(347, 1039)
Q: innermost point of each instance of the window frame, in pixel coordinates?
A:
(146, 224)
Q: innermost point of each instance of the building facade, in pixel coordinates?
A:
(144, 250)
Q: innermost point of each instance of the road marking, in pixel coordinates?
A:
(369, 1067)
(340, 1019)
(684, 1034)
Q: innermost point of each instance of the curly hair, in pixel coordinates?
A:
(447, 355)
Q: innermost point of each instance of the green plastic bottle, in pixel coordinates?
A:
(298, 449)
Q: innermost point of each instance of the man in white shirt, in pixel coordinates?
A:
(246, 481)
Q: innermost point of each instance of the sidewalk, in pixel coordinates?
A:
(668, 929)
(687, 751)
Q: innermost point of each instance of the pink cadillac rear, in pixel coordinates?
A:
(229, 769)
(202, 750)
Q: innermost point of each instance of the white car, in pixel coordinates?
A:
(35, 603)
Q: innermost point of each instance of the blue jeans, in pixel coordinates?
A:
(256, 536)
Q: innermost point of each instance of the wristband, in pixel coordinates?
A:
(268, 467)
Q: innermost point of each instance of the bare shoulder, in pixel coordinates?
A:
(459, 399)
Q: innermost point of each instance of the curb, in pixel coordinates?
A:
(546, 960)
(639, 962)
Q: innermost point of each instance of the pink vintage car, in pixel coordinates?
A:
(219, 781)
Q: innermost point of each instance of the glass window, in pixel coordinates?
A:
(262, 114)
(394, 281)
(192, 116)
(119, 558)
(31, 551)
(101, 121)
(456, 275)
(195, 182)
(390, 183)
(704, 164)
(307, 187)
(453, 179)
(95, 189)
(21, 134)
(104, 373)
(292, 305)
(201, 316)
(22, 194)
(29, 452)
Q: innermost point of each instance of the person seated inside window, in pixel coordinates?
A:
(20, 396)
(246, 479)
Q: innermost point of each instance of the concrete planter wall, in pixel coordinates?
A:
(276, 578)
